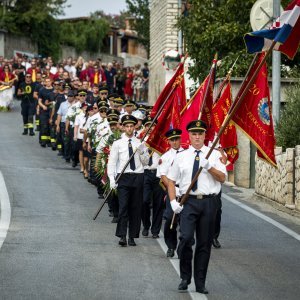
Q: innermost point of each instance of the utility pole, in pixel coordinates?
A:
(276, 72)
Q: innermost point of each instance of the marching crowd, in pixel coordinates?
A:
(104, 133)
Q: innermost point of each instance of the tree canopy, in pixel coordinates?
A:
(212, 26)
(139, 9)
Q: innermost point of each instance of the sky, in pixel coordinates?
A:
(83, 8)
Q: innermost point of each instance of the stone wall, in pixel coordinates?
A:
(163, 37)
(18, 43)
(280, 184)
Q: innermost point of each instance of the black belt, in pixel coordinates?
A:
(201, 196)
(151, 171)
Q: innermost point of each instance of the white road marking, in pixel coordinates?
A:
(175, 264)
(5, 210)
(262, 216)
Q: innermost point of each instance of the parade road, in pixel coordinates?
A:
(54, 250)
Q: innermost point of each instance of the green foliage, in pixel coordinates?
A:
(84, 35)
(288, 129)
(218, 26)
(114, 20)
(139, 9)
(35, 19)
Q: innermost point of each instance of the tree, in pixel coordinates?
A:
(35, 19)
(218, 26)
(288, 129)
(114, 20)
(139, 9)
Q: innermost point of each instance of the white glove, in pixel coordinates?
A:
(177, 191)
(205, 164)
(112, 183)
(177, 208)
(141, 148)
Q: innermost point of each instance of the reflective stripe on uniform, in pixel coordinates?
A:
(59, 146)
(44, 138)
(37, 122)
(53, 140)
(26, 126)
(30, 125)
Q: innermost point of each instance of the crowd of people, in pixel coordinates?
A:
(105, 134)
(128, 82)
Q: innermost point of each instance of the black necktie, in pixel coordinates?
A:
(132, 163)
(195, 169)
(150, 159)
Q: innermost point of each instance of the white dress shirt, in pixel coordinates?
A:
(79, 121)
(119, 156)
(182, 169)
(166, 162)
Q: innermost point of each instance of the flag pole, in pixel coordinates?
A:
(228, 75)
(236, 104)
(148, 130)
(208, 85)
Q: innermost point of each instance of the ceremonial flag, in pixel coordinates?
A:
(193, 112)
(228, 139)
(285, 31)
(254, 115)
(167, 90)
(169, 117)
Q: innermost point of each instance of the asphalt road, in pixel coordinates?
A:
(54, 250)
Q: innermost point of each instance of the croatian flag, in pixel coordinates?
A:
(285, 31)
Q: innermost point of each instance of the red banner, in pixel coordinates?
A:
(169, 117)
(167, 89)
(193, 112)
(254, 116)
(228, 139)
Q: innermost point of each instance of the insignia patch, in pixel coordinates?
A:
(264, 111)
(127, 117)
(198, 124)
(174, 132)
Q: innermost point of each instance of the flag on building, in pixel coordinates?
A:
(254, 116)
(285, 31)
(228, 139)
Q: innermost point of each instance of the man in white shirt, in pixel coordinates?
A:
(130, 183)
(199, 212)
(153, 193)
(166, 161)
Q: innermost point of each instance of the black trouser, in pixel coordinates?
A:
(74, 149)
(170, 235)
(113, 204)
(130, 193)
(53, 137)
(59, 138)
(92, 172)
(68, 142)
(27, 111)
(218, 215)
(152, 192)
(199, 215)
(44, 128)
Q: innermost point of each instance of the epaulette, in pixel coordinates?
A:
(181, 151)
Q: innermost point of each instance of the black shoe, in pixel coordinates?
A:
(111, 214)
(31, 133)
(145, 232)
(122, 241)
(131, 242)
(67, 160)
(155, 236)
(114, 220)
(216, 243)
(25, 132)
(202, 290)
(53, 148)
(49, 145)
(170, 253)
(74, 164)
(59, 154)
(43, 145)
(183, 286)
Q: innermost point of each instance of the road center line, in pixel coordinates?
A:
(175, 264)
(262, 216)
(5, 210)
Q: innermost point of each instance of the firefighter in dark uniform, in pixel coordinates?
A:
(37, 87)
(130, 184)
(199, 211)
(45, 101)
(25, 91)
(56, 138)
